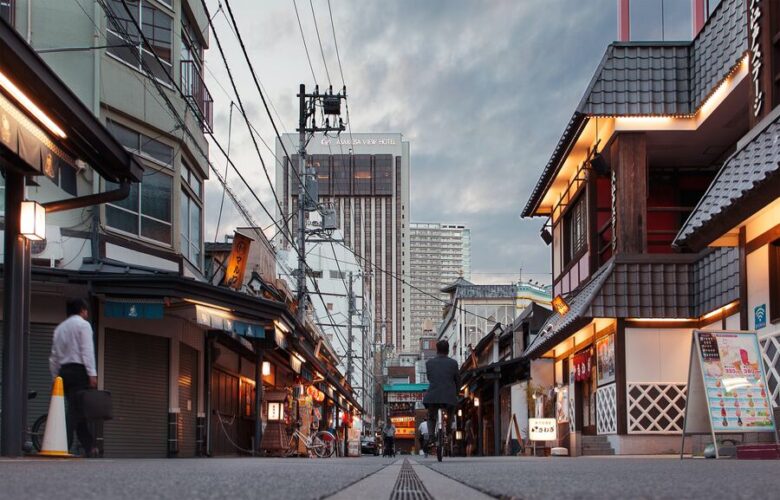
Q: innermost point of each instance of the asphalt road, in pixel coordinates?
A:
(375, 478)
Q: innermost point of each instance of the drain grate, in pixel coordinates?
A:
(408, 486)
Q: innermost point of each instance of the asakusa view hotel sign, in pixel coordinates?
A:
(368, 141)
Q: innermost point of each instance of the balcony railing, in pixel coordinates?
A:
(197, 94)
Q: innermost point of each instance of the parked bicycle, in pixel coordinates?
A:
(321, 444)
(34, 435)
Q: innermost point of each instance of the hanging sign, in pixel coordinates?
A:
(236, 266)
(726, 385)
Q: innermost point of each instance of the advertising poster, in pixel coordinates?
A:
(562, 405)
(605, 359)
(734, 382)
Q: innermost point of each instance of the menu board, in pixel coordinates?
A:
(734, 382)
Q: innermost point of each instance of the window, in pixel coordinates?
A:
(146, 212)
(142, 144)
(575, 230)
(7, 11)
(128, 45)
(190, 224)
(774, 281)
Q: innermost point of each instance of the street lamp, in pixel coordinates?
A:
(32, 221)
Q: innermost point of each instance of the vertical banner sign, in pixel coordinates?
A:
(234, 273)
(755, 35)
(727, 390)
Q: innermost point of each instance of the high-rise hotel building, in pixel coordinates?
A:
(365, 178)
(439, 254)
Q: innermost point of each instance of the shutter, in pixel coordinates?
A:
(38, 376)
(188, 399)
(136, 374)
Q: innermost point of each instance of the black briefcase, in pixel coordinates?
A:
(96, 405)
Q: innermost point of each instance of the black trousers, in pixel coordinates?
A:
(433, 410)
(75, 379)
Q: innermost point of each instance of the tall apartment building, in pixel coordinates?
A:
(365, 178)
(439, 254)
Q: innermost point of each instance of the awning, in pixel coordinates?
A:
(85, 136)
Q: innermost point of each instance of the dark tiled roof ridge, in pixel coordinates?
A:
(698, 72)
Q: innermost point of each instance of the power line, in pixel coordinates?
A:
(222, 203)
(319, 40)
(343, 82)
(300, 26)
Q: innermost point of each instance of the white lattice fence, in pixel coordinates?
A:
(606, 409)
(656, 408)
(770, 348)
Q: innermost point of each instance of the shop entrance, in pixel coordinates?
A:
(585, 393)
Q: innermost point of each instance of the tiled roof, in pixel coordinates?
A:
(719, 46)
(649, 78)
(668, 286)
(745, 173)
(486, 292)
(641, 79)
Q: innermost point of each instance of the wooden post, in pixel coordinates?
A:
(629, 161)
(743, 280)
(620, 377)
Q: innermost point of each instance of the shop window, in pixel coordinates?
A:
(575, 230)
(146, 212)
(774, 281)
(126, 43)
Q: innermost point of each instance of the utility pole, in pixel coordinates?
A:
(351, 309)
(308, 198)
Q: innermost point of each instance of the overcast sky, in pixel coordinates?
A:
(481, 89)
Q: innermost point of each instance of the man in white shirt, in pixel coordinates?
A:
(73, 359)
(423, 430)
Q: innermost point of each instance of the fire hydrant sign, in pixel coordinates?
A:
(542, 429)
(727, 390)
(734, 381)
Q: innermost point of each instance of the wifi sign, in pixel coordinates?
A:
(759, 314)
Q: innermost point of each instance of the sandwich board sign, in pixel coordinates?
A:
(727, 391)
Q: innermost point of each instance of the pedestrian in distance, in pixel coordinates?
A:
(389, 433)
(73, 358)
(424, 436)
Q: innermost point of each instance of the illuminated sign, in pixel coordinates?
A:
(275, 411)
(542, 429)
(560, 305)
(756, 55)
(234, 273)
(404, 397)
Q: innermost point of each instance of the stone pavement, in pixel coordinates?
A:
(382, 478)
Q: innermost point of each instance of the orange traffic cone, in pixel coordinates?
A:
(55, 439)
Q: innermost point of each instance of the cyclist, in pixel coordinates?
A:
(444, 380)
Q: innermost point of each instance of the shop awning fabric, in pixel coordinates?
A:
(86, 137)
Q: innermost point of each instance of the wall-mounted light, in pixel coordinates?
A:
(458, 435)
(460, 413)
(32, 223)
(266, 368)
(476, 402)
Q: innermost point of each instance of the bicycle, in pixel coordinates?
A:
(322, 444)
(442, 434)
(34, 435)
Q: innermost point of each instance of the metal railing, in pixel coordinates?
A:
(197, 94)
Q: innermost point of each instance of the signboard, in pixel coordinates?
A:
(759, 316)
(404, 397)
(605, 359)
(133, 310)
(234, 272)
(542, 429)
(726, 385)
(562, 404)
(582, 366)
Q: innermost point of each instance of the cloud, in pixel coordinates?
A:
(482, 90)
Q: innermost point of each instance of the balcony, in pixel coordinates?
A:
(196, 93)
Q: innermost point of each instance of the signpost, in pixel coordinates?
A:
(542, 429)
(726, 387)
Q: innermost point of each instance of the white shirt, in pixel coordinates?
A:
(72, 343)
(423, 427)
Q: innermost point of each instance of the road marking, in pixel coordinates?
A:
(378, 485)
